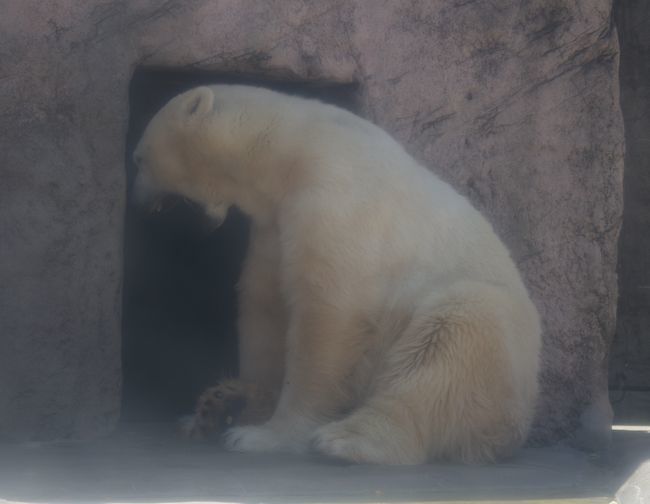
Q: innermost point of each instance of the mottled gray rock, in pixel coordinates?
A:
(516, 104)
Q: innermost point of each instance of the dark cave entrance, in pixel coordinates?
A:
(629, 364)
(179, 301)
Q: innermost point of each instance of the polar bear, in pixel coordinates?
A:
(381, 318)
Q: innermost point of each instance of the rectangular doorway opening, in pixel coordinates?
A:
(629, 364)
(179, 331)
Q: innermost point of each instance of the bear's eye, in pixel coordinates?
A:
(137, 159)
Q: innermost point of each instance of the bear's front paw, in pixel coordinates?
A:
(218, 408)
(252, 439)
(268, 437)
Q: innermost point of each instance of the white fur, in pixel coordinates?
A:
(377, 298)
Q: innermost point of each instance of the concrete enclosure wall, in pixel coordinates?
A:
(515, 104)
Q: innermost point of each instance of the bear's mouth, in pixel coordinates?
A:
(159, 204)
(168, 207)
(149, 198)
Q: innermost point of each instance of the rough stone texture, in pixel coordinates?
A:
(514, 103)
(631, 350)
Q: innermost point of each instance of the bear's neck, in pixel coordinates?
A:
(258, 190)
(259, 173)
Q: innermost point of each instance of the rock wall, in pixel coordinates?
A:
(516, 104)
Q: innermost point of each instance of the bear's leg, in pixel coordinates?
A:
(325, 343)
(448, 387)
(263, 318)
(262, 327)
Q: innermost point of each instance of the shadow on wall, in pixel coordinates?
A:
(179, 305)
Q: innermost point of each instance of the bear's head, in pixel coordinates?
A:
(172, 157)
(226, 145)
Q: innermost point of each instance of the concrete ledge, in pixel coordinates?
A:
(148, 464)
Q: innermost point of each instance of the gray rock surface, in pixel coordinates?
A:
(515, 104)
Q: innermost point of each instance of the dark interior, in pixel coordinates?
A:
(179, 306)
(629, 364)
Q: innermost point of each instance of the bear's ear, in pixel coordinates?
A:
(199, 102)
